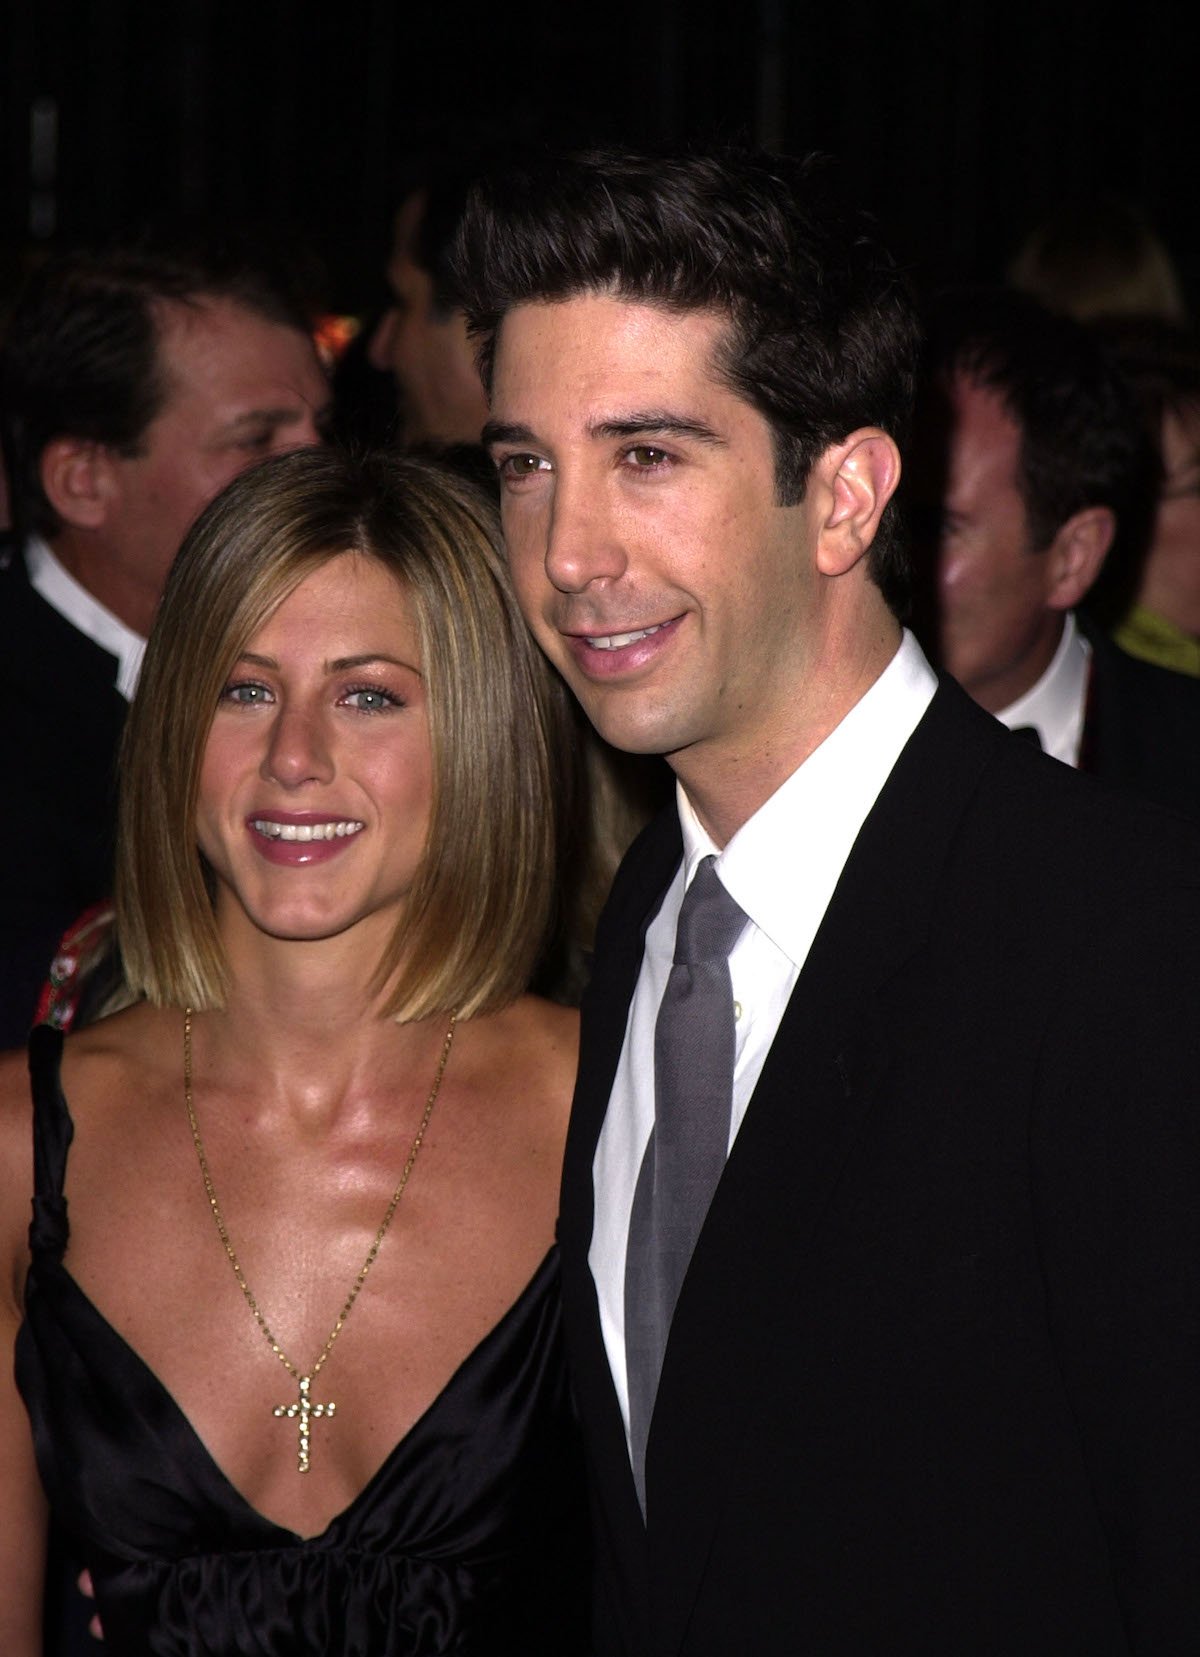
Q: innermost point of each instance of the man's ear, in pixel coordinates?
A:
(1076, 555)
(860, 474)
(77, 476)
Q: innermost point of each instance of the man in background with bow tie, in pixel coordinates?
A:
(879, 1228)
(1034, 480)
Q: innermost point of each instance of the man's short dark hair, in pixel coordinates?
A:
(80, 355)
(822, 336)
(443, 190)
(1082, 443)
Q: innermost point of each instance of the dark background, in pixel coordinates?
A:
(959, 124)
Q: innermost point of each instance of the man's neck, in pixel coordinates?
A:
(106, 577)
(727, 783)
(1002, 689)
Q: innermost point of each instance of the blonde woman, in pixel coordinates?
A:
(285, 1326)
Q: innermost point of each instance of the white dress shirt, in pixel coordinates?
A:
(75, 604)
(781, 866)
(1056, 704)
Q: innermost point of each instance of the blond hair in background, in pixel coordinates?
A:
(1096, 258)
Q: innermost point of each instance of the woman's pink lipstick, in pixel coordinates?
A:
(298, 839)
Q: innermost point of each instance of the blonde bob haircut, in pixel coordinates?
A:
(483, 897)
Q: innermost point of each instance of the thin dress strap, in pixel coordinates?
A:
(53, 1131)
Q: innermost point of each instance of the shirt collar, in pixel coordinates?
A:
(810, 823)
(75, 604)
(1054, 705)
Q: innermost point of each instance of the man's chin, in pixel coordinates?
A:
(626, 723)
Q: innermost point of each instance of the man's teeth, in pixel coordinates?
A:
(305, 831)
(618, 641)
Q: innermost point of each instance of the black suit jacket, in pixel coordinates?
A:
(60, 725)
(932, 1381)
(1142, 730)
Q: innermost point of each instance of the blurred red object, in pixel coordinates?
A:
(83, 944)
(331, 336)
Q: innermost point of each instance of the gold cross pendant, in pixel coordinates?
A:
(305, 1409)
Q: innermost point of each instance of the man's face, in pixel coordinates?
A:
(238, 388)
(427, 351)
(649, 556)
(997, 627)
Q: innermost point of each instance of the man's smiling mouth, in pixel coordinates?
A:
(618, 641)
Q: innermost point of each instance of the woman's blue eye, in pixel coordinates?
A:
(246, 695)
(370, 700)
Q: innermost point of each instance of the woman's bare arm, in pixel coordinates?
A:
(22, 1504)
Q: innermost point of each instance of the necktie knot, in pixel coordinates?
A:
(710, 922)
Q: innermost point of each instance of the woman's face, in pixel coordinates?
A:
(317, 779)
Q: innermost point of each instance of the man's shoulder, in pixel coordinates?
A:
(973, 809)
(1082, 857)
(1143, 728)
(38, 645)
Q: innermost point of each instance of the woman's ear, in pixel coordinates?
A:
(860, 474)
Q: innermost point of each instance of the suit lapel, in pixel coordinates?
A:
(810, 1109)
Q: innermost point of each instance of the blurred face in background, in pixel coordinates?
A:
(998, 618)
(1171, 580)
(239, 387)
(426, 349)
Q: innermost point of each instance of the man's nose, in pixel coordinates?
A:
(379, 347)
(584, 542)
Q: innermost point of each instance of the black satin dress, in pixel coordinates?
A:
(469, 1539)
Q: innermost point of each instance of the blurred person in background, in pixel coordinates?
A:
(1160, 618)
(1031, 464)
(421, 339)
(134, 384)
(1097, 257)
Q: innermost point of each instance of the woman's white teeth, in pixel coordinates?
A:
(618, 641)
(306, 831)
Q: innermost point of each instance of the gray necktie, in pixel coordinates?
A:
(693, 1093)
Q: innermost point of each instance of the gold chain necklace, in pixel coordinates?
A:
(303, 1409)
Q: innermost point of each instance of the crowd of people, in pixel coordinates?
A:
(804, 680)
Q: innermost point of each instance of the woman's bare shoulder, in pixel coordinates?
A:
(15, 1105)
(527, 1051)
(112, 1058)
(542, 1036)
(16, 1174)
(120, 1052)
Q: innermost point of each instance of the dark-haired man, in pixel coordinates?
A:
(133, 386)
(1032, 464)
(913, 1368)
(422, 336)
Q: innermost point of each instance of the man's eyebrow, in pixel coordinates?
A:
(504, 431)
(273, 416)
(656, 421)
(640, 423)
